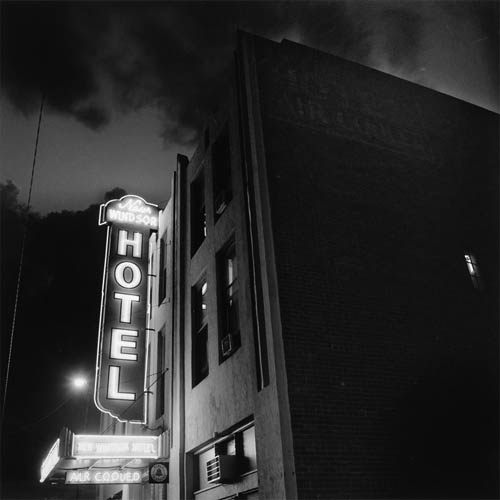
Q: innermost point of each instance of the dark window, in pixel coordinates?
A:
(151, 276)
(221, 164)
(198, 213)
(227, 273)
(160, 375)
(200, 331)
(162, 285)
(151, 376)
(206, 138)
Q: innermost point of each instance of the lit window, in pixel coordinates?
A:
(203, 297)
(473, 270)
(200, 331)
(227, 278)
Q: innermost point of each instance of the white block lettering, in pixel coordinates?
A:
(135, 274)
(117, 343)
(126, 305)
(124, 242)
(113, 390)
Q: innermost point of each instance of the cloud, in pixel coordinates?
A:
(114, 194)
(449, 46)
(92, 116)
(43, 52)
(91, 58)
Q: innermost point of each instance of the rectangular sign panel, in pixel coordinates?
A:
(50, 461)
(101, 446)
(108, 476)
(121, 356)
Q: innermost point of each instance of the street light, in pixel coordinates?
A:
(80, 384)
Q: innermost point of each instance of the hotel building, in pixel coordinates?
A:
(323, 292)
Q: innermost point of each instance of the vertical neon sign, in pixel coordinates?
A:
(121, 353)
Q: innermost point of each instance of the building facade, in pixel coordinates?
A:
(323, 293)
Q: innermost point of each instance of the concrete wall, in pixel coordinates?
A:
(225, 396)
(272, 416)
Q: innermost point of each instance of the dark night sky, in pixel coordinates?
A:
(127, 87)
(128, 84)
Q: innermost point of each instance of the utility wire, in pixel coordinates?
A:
(30, 425)
(21, 261)
(25, 426)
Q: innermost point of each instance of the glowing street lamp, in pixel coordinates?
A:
(79, 382)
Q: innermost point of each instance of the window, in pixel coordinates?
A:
(116, 496)
(160, 375)
(162, 285)
(206, 138)
(198, 213)
(200, 331)
(239, 444)
(227, 273)
(221, 164)
(152, 275)
(473, 269)
(151, 377)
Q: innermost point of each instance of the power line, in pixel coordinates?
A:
(26, 426)
(21, 260)
(161, 374)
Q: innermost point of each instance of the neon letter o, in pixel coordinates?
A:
(120, 274)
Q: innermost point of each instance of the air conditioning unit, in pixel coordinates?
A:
(224, 469)
(221, 202)
(228, 344)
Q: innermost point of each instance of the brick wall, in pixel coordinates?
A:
(378, 187)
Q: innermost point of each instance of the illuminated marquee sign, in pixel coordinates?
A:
(131, 210)
(113, 476)
(121, 355)
(102, 446)
(50, 461)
